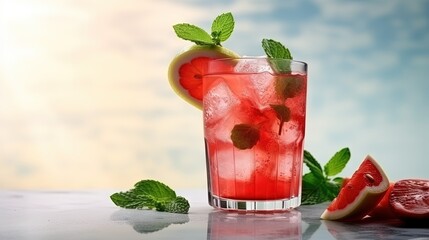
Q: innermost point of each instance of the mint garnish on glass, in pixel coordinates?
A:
(276, 53)
(244, 136)
(319, 185)
(221, 30)
(151, 194)
(275, 49)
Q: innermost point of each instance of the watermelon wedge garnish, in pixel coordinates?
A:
(361, 194)
(186, 70)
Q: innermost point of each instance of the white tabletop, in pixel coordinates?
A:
(91, 215)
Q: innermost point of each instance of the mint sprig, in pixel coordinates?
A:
(221, 29)
(193, 33)
(318, 185)
(151, 194)
(275, 49)
(276, 53)
(285, 86)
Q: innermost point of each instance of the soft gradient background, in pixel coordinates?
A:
(85, 102)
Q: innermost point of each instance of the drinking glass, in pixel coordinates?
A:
(254, 126)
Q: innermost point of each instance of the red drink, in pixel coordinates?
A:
(254, 125)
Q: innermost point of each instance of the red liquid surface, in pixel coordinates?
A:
(272, 168)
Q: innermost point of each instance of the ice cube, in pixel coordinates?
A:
(292, 133)
(217, 102)
(244, 164)
(225, 161)
(263, 88)
(252, 65)
(267, 153)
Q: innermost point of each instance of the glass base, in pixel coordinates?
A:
(254, 205)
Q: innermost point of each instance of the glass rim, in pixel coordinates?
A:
(261, 64)
(258, 58)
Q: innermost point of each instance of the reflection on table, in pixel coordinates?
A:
(233, 225)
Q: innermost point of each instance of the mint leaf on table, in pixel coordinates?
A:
(222, 27)
(151, 194)
(221, 30)
(178, 205)
(317, 186)
(155, 189)
(130, 199)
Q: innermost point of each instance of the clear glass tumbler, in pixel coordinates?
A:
(254, 126)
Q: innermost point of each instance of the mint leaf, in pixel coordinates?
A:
(178, 205)
(313, 191)
(313, 165)
(244, 136)
(316, 191)
(337, 163)
(283, 114)
(151, 194)
(317, 187)
(130, 199)
(193, 33)
(222, 28)
(275, 49)
(339, 181)
(331, 190)
(277, 53)
(156, 189)
(288, 86)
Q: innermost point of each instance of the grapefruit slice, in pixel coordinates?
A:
(383, 210)
(361, 194)
(186, 70)
(409, 199)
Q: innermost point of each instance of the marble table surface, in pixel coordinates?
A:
(91, 215)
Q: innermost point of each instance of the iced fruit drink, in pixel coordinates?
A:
(254, 126)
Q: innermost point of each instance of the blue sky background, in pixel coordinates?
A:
(85, 101)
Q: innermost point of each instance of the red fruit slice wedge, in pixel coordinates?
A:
(409, 199)
(383, 210)
(361, 194)
(186, 70)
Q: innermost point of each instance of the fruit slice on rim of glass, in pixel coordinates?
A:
(361, 194)
(186, 70)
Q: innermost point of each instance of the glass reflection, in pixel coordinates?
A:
(149, 221)
(377, 229)
(234, 225)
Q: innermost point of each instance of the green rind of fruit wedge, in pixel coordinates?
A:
(186, 56)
